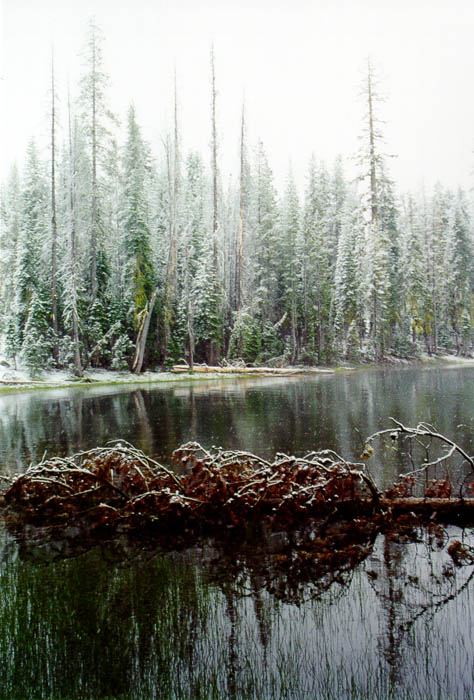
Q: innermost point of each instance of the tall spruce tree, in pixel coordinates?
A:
(32, 236)
(287, 299)
(347, 309)
(458, 280)
(320, 243)
(96, 118)
(381, 230)
(10, 229)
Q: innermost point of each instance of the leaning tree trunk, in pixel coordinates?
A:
(143, 334)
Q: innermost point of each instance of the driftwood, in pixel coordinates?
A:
(178, 369)
(119, 488)
(17, 382)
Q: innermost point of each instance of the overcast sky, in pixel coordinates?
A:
(299, 62)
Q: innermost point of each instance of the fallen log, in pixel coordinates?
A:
(18, 382)
(205, 369)
(119, 487)
(445, 509)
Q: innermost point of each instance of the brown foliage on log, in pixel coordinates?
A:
(118, 487)
(220, 488)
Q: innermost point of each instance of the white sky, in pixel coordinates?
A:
(299, 62)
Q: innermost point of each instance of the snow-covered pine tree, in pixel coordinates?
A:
(288, 268)
(73, 199)
(11, 207)
(347, 309)
(263, 260)
(434, 245)
(458, 280)
(381, 231)
(413, 282)
(207, 305)
(95, 119)
(38, 339)
(194, 217)
(30, 271)
(320, 251)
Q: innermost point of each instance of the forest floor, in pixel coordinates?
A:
(14, 380)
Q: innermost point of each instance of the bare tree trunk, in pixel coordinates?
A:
(94, 214)
(73, 246)
(240, 232)
(305, 289)
(373, 157)
(214, 158)
(172, 159)
(171, 265)
(189, 315)
(294, 353)
(432, 276)
(54, 226)
(214, 349)
(374, 214)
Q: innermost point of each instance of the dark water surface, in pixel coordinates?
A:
(217, 619)
(264, 415)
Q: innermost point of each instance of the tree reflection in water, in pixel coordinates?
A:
(385, 616)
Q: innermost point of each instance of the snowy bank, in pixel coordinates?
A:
(19, 380)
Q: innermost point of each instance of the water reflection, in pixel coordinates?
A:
(292, 415)
(390, 619)
(125, 620)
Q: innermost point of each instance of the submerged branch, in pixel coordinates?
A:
(422, 430)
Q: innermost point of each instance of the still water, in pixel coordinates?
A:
(264, 415)
(217, 619)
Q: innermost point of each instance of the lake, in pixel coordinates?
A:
(221, 617)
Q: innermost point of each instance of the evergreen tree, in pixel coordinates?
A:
(288, 263)
(108, 240)
(73, 213)
(38, 339)
(191, 251)
(264, 240)
(207, 303)
(319, 255)
(11, 214)
(434, 244)
(31, 241)
(458, 279)
(413, 281)
(95, 119)
(381, 230)
(346, 305)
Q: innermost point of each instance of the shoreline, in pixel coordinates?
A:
(98, 377)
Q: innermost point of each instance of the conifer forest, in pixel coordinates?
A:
(122, 254)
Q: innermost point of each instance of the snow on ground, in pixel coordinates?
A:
(12, 378)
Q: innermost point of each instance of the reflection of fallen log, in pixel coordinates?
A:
(205, 369)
